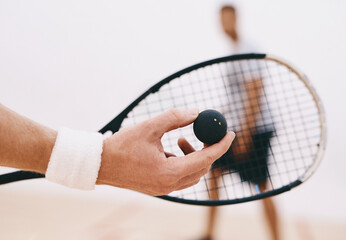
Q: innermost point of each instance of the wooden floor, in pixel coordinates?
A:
(67, 214)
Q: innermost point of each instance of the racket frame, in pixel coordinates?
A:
(115, 124)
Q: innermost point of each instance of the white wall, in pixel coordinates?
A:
(78, 63)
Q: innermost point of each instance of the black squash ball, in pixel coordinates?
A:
(210, 126)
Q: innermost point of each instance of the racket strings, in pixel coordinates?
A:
(259, 98)
(307, 112)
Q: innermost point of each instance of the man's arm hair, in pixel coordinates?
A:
(24, 144)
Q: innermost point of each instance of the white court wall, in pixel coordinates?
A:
(78, 63)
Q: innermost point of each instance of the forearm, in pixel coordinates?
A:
(24, 144)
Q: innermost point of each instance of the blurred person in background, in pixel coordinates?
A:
(251, 145)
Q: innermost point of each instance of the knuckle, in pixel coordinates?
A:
(149, 128)
(205, 171)
(146, 126)
(209, 159)
(175, 115)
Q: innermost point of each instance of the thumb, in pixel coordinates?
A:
(172, 119)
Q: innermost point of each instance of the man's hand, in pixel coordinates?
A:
(134, 157)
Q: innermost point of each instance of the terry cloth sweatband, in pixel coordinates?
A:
(76, 159)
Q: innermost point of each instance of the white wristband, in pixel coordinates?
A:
(76, 159)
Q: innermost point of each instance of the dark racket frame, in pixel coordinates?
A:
(115, 124)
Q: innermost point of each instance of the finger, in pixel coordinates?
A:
(185, 146)
(189, 184)
(192, 178)
(198, 160)
(172, 119)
